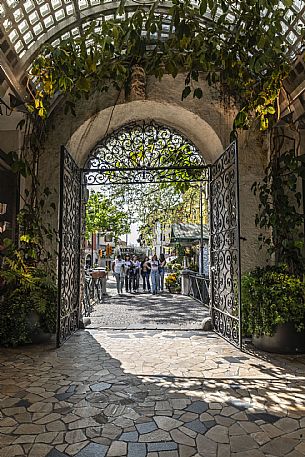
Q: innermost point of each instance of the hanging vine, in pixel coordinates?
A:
(236, 46)
(280, 215)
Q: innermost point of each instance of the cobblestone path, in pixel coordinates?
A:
(147, 311)
(150, 394)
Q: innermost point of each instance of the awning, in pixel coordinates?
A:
(188, 232)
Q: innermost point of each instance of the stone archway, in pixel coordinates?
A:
(205, 122)
(196, 129)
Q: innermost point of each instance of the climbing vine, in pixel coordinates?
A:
(236, 46)
(280, 215)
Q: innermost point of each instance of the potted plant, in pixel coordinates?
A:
(28, 293)
(173, 283)
(274, 309)
(28, 302)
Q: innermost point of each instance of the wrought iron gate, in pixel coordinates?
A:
(69, 248)
(225, 297)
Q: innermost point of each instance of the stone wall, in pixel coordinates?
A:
(206, 122)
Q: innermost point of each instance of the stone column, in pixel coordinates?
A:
(185, 282)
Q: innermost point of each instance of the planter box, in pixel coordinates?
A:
(38, 336)
(174, 290)
(286, 340)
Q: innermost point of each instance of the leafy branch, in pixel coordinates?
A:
(238, 49)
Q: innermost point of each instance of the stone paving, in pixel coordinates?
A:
(150, 393)
(147, 311)
(143, 381)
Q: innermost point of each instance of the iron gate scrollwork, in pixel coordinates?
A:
(69, 248)
(144, 153)
(224, 246)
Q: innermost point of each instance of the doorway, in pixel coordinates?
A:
(148, 153)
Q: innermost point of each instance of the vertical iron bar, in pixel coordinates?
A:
(92, 249)
(60, 231)
(80, 234)
(201, 231)
(303, 198)
(238, 244)
(210, 246)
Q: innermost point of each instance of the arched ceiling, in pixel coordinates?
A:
(26, 24)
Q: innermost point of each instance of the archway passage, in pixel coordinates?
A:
(147, 153)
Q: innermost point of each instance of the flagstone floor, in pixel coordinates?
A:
(150, 393)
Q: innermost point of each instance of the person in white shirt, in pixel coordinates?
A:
(155, 275)
(129, 270)
(118, 268)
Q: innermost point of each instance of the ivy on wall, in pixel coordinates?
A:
(235, 46)
(280, 213)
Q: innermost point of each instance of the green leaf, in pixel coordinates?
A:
(83, 84)
(186, 92)
(271, 110)
(198, 93)
(240, 119)
(288, 3)
(203, 7)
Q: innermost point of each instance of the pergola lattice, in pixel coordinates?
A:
(26, 24)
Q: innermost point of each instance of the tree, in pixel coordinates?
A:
(148, 204)
(104, 216)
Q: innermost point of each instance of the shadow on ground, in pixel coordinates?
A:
(147, 310)
(79, 400)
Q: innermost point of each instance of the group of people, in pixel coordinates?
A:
(128, 271)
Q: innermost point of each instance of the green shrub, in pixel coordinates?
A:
(271, 296)
(25, 291)
(177, 267)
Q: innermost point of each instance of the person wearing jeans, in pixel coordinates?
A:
(155, 276)
(136, 276)
(118, 272)
(145, 272)
(129, 273)
(162, 271)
